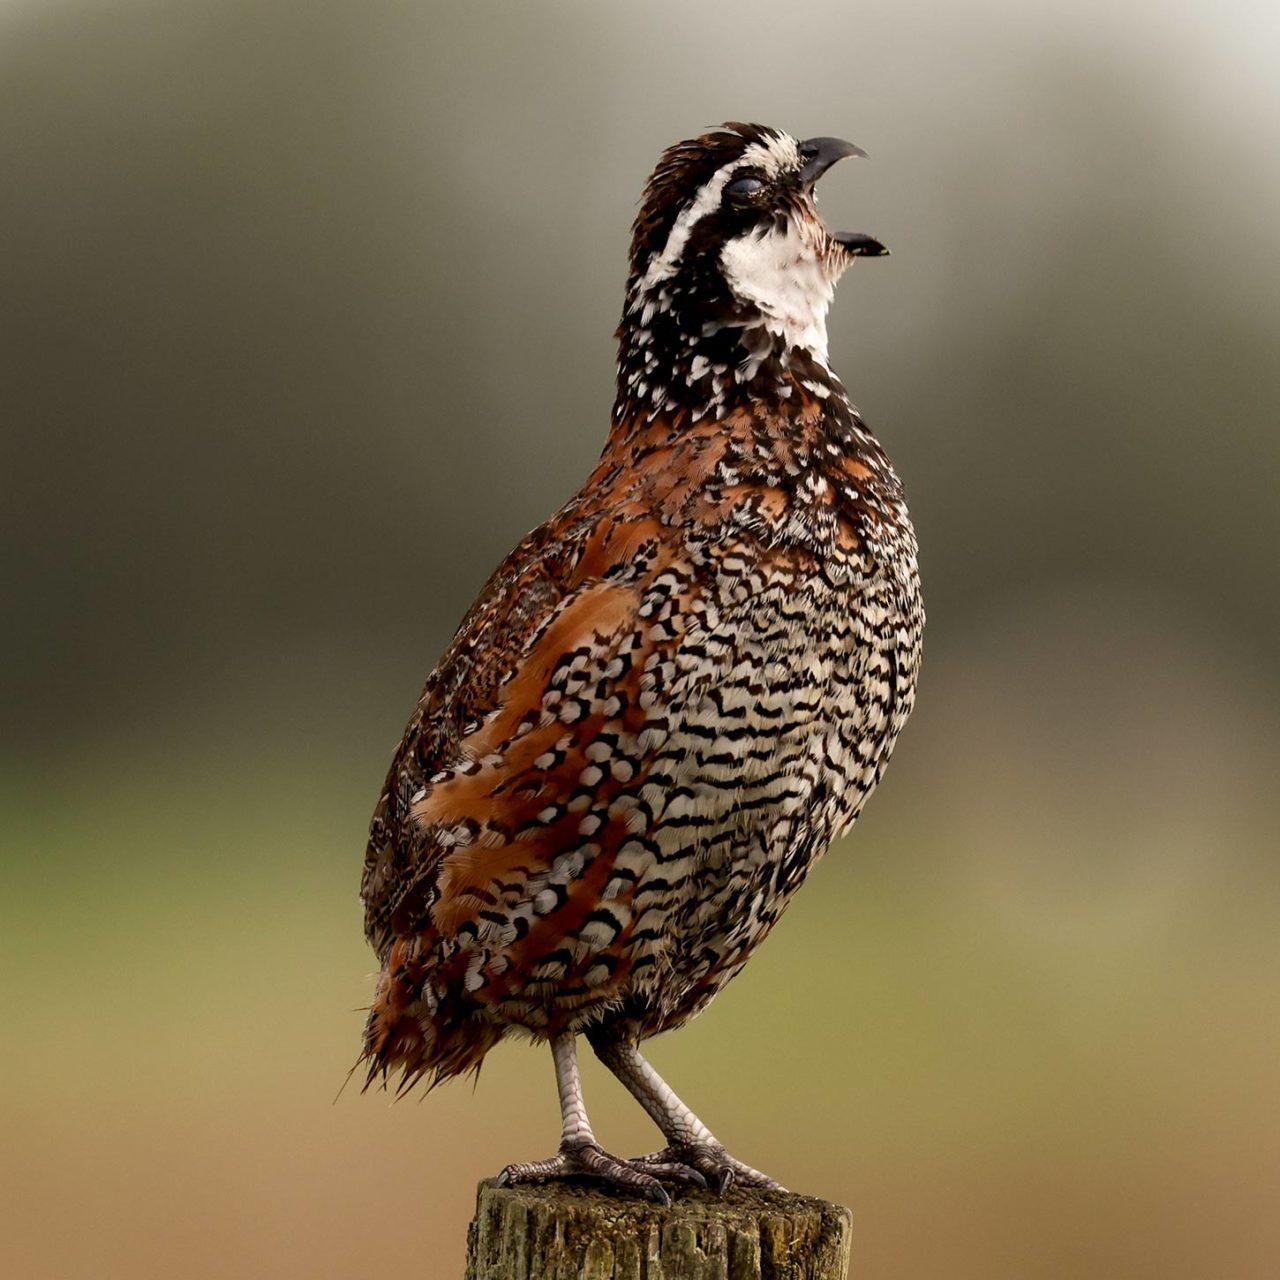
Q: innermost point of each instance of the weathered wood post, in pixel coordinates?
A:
(563, 1232)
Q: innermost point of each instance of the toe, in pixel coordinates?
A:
(745, 1176)
(534, 1171)
(672, 1170)
(717, 1167)
(599, 1164)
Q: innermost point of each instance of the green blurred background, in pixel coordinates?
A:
(307, 316)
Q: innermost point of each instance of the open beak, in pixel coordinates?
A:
(819, 154)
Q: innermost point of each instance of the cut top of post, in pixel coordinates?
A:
(567, 1232)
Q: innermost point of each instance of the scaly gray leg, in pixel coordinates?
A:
(691, 1144)
(580, 1155)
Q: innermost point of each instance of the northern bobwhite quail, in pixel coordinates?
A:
(673, 695)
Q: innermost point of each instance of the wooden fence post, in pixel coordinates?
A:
(563, 1232)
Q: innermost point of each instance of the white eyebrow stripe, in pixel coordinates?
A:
(773, 156)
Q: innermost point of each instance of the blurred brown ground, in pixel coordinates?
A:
(306, 318)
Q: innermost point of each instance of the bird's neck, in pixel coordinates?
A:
(717, 362)
(732, 402)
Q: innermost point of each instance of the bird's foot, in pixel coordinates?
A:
(590, 1160)
(710, 1161)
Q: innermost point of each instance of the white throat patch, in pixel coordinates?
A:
(785, 275)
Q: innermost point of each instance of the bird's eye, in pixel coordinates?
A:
(747, 186)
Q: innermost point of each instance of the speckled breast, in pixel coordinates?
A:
(784, 705)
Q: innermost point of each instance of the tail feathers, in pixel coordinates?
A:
(409, 1033)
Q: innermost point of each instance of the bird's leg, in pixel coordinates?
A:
(691, 1144)
(580, 1155)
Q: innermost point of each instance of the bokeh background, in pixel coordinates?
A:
(307, 311)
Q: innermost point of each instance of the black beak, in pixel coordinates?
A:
(860, 244)
(819, 154)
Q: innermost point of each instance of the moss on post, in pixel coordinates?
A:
(563, 1232)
